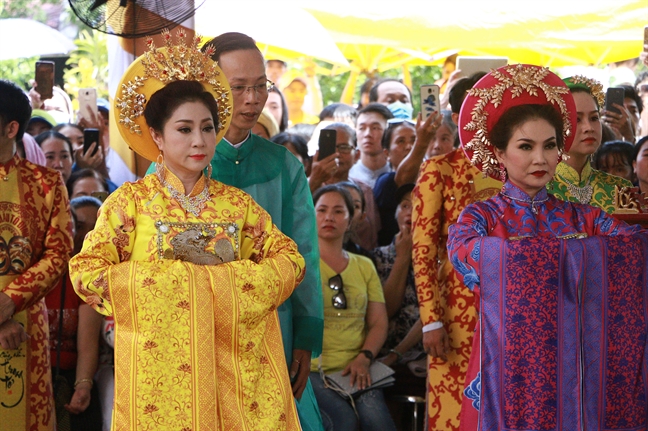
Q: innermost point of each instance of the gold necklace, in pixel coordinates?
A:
(192, 204)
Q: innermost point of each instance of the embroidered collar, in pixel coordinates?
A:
(10, 165)
(569, 174)
(516, 194)
(171, 179)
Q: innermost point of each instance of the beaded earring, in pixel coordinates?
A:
(502, 173)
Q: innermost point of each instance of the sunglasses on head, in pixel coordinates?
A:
(339, 298)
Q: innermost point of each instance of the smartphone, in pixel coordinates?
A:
(88, 103)
(614, 95)
(44, 78)
(90, 136)
(429, 100)
(99, 195)
(327, 143)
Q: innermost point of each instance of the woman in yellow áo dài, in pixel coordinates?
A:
(191, 269)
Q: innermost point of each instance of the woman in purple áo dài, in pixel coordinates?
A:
(560, 286)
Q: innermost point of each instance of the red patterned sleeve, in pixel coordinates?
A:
(33, 284)
(427, 199)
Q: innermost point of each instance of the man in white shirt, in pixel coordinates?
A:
(370, 126)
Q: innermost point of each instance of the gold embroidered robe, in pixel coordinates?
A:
(35, 245)
(197, 347)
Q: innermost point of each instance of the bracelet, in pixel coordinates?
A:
(397, 353)
(432, 326)
(78, 382)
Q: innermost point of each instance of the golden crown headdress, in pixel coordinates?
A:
(152, 71)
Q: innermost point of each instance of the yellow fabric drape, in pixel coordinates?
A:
(197, 346)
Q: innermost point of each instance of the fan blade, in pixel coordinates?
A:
(98, 3)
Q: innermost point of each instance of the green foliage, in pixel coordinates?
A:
(20, 71)
(25, 9)
(88, 64)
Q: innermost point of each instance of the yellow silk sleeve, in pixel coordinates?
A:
(269, 261)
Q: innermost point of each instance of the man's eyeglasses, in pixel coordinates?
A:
(344, 148)
(339, 298)
(643, 88)
(258, 89)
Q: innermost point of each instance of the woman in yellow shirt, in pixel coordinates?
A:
(355, 320)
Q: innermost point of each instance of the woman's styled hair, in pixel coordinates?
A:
(51, 134)
(84, 173)
(166, 100)
(351, 185)
(297, 141)
(389, 132)
(518, 115)
(339, 189)
(283, 124)
(586, 91)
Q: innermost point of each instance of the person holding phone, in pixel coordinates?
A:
(575, 180)
(617, 113)
(364, 232)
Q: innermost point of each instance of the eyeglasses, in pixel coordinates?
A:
(344, 148)
(258, 89)
(339, 298)
(393, 121)
(643, 88)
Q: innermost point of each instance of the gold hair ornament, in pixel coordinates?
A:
(595, 87)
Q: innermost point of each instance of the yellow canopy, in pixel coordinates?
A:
(383, 34)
